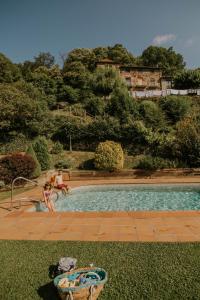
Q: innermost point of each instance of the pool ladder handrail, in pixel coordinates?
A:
(12, 189)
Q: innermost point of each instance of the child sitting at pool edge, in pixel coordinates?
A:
(59, 184)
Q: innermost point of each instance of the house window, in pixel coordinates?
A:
(152, 82)
(139, 82)
(128, 81)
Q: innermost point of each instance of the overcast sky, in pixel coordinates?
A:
(28, 27)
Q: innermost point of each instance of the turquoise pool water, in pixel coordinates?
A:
(130, 198)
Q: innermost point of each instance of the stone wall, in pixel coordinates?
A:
(139, 78)
(143, 79)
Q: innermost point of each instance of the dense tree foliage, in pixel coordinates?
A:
(188, 79)
(81, 105)
(188, 141)
(9, 72)
(19, 113)
(152, 114)
(167, 59)
(121, 104)
(175, 107)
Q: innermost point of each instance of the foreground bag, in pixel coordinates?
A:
(81, 284)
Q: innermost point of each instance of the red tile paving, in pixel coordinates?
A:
(139, 226)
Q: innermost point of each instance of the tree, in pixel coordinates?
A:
(118, 53)
(57, 148)
(83, 55)
(188, 79)
(109, 156)
(103, 81)
(121, 104)
(69, 94)
(95, 105)
(44, 83)
(41, 150)
(175, 107)
(9, 72)
(37, 171)
(167, 59)
(45, 59)
(32, 92)
(151, 114)
(102, 129)
(188, 141)
(19, 113)
(76, 74)
(71, 130)
(100, 53)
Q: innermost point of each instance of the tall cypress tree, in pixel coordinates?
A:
(30, 151)
(41, 150)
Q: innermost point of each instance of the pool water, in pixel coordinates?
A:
(130, 198)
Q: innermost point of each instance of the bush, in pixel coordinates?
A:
(151, 114)
(16, 144)
(109, 156)
(15, 165)
(37, 171)
(41, 150)
(87, 164)
(65, 164)
(175, 107)
(154, 163)
(57, 148)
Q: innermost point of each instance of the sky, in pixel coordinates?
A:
(28, 27)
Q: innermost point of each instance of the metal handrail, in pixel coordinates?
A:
(12, 188)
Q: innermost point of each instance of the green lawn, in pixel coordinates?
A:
(81, 156)
(136, 270)
(7, 194)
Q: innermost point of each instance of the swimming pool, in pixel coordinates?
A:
(130, 197)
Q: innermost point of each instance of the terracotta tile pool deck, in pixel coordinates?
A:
(139, 226)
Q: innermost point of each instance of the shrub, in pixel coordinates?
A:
(109, 156)
(87, 164)
(16, 144)
(64, 164)
(175, 107)
(154, 163)
(151, 114)
(57, 148)
(12, 166)
(37, 171)
(41, 150)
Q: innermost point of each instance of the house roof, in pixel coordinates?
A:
(142, 68)
(124, 67)
(106, 61)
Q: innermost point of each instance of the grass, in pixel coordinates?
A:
(77, 156)
(6, 194)
(80, 156)
(136, 270)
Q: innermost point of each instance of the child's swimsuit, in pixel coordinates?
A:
(47, 195)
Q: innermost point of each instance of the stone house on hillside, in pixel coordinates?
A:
(139, 78)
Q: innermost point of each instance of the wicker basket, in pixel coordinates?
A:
(85, 292)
